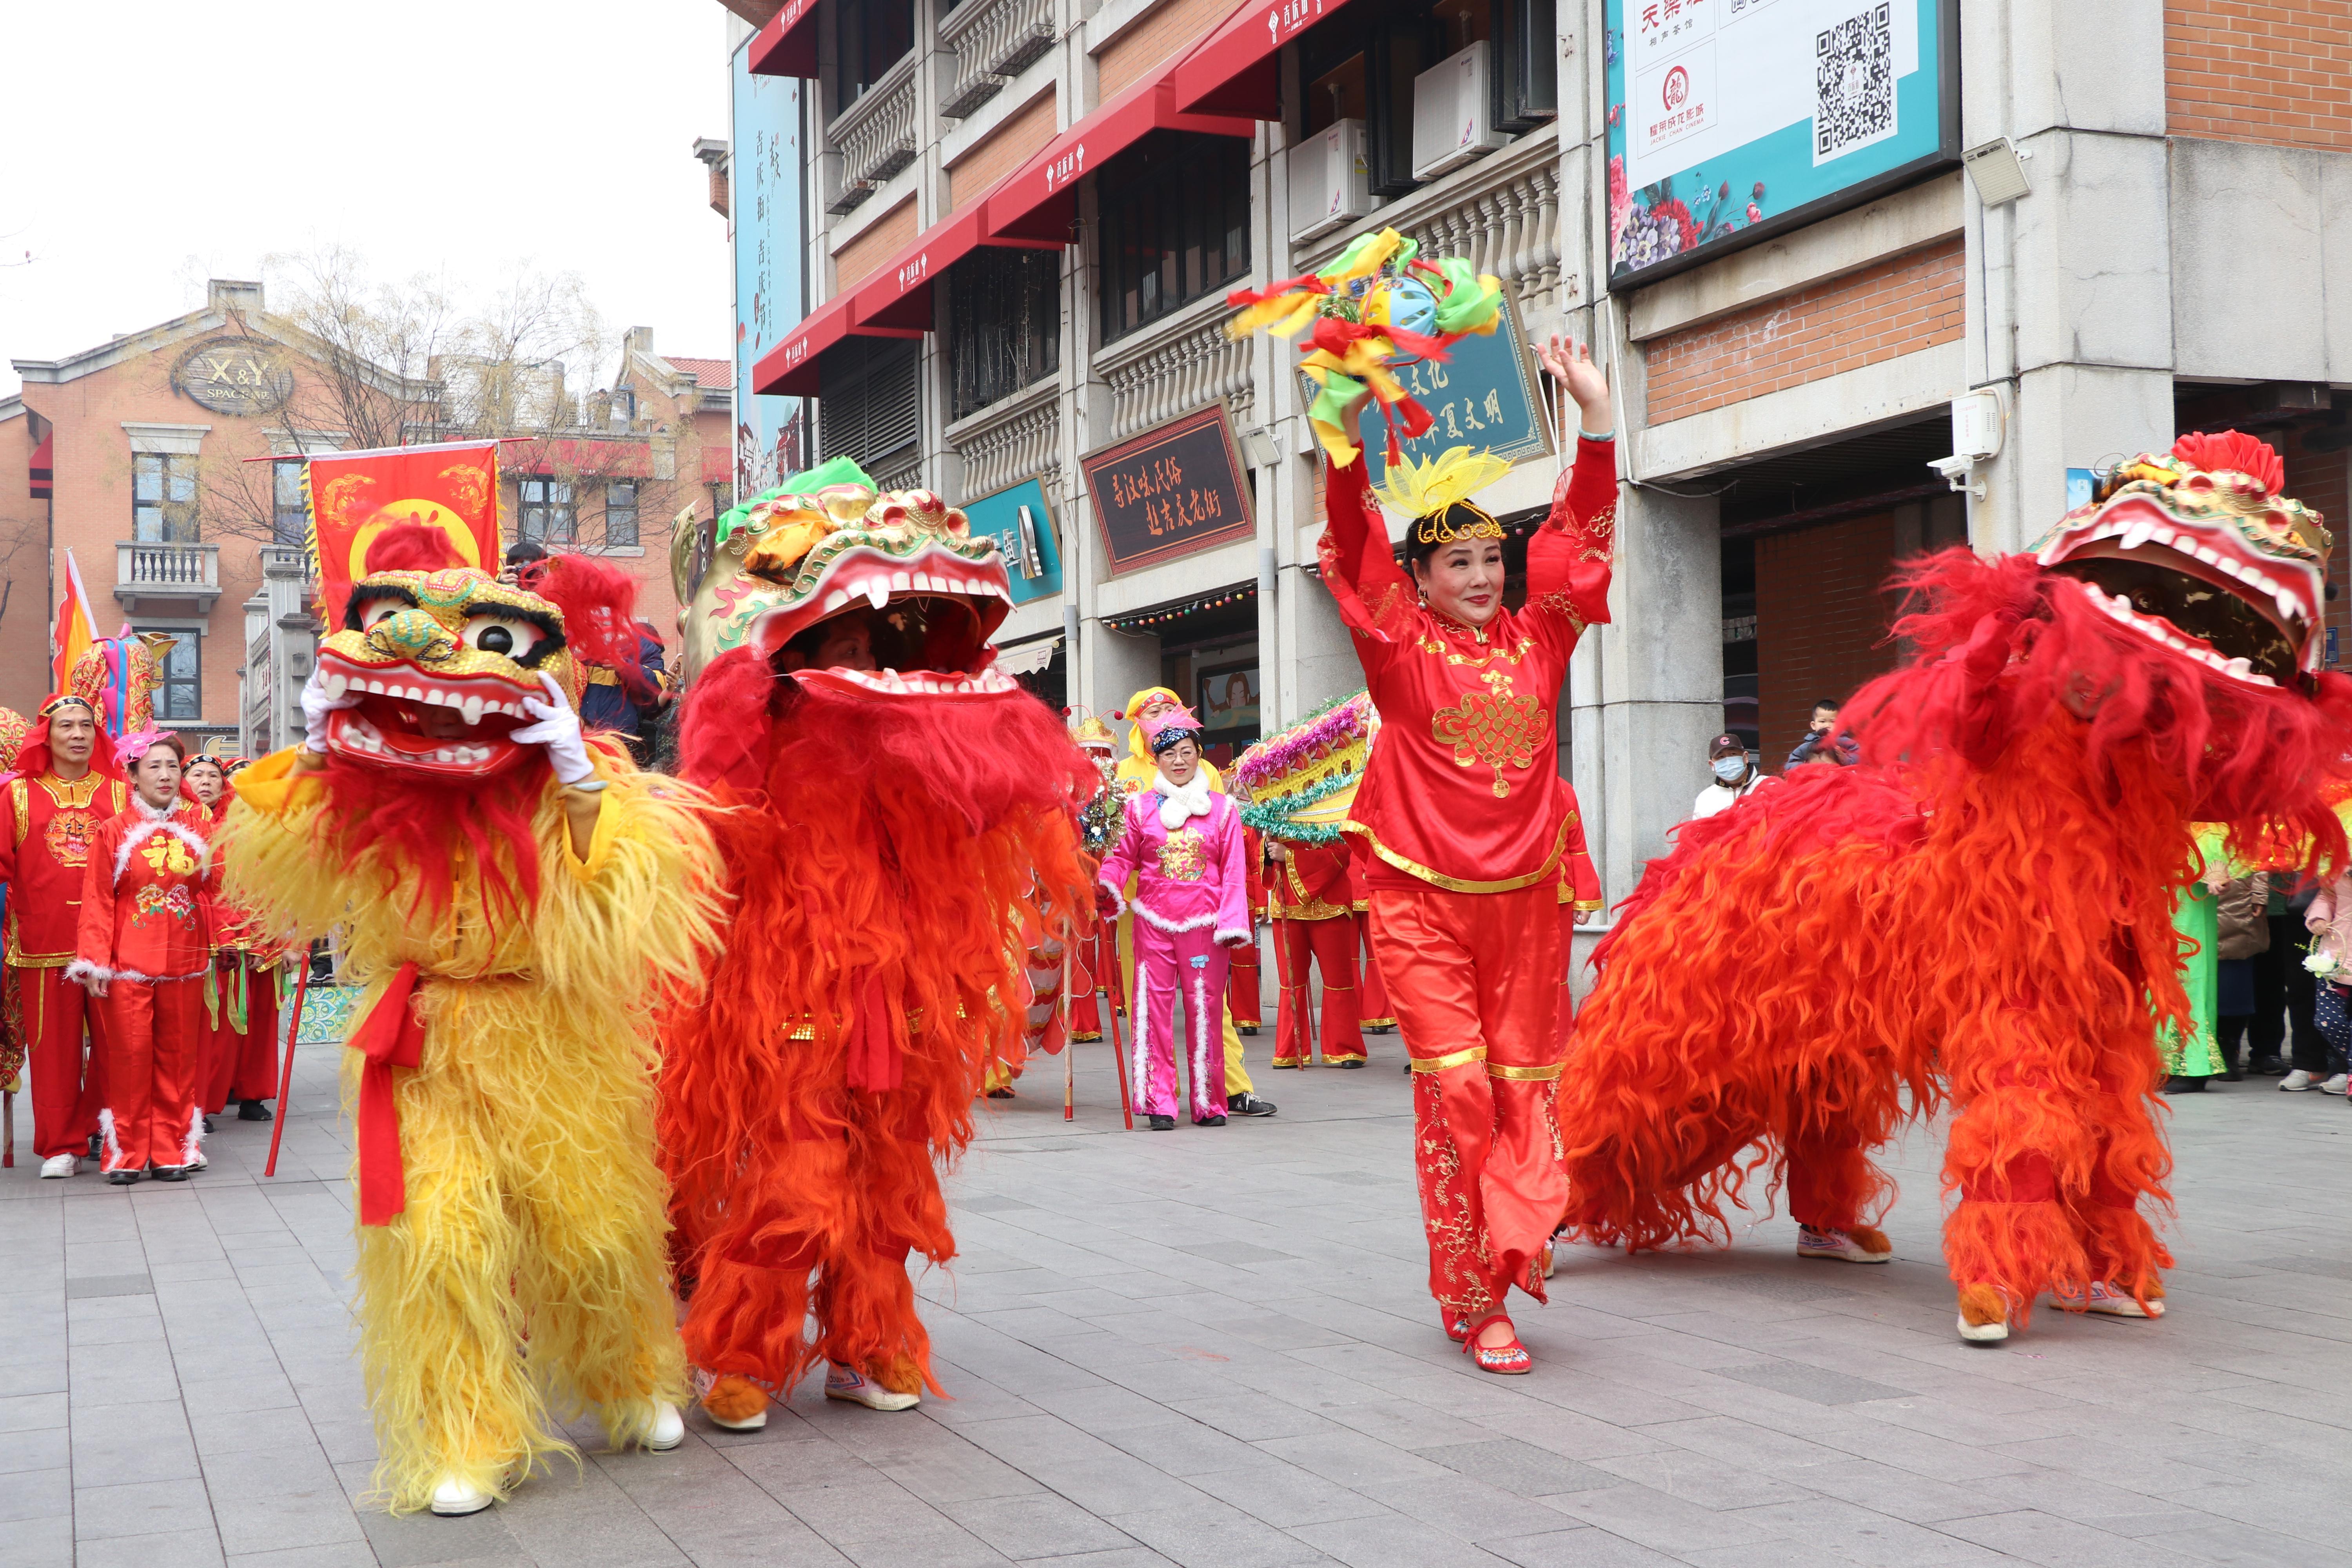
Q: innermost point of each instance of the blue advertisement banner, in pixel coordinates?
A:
(1730, 121)
(1483, 397)
(1024, 531)
(764, 226)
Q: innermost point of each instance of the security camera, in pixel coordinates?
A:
(1956, 474)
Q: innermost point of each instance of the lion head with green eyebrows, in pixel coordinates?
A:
(827, 544)
(443, 660)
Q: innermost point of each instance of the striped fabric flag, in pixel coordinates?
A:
(72, 633)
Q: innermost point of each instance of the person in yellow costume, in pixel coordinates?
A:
(515, 897)
(1135, 772)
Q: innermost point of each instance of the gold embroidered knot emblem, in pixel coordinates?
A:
(1494, 727)
(168, 856)
(1184, 856)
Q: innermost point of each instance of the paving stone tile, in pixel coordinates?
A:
(35, 1495)
(140, 1508)
(2030, 1536)
(1518, 1468)
(1394, 1543)
(1217, 1538)
(175, 1549)
(1038, 1525)
(1582, 1547)
(37, 1542)
(418, 1540)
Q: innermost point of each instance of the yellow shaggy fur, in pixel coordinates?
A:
(535, 1216)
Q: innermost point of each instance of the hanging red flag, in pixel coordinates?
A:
(354, 496)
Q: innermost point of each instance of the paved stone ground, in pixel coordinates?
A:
(1214, 1348)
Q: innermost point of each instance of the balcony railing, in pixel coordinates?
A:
(1017, 439)
(145, 569)
(876, 136)
(993, 41)
(1175, 367)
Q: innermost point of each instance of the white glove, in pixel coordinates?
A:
(559, 730)
(316, 706)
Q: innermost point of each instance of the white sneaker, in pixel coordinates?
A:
(2333, 1085)
(2297, 1082)
(456, 1497)
(58, 1165)
(1838, 1244)
(669, 1428)
(849, 1382)
(1983, 1333)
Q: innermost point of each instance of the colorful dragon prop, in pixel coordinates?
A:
(511, 932)
(907, 854)
(1982, 915)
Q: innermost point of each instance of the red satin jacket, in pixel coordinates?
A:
(147, 894)
(45, 836)
(1463, 791)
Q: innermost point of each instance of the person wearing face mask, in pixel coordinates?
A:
(141, 950)
(1461, 826)
(1736, 777)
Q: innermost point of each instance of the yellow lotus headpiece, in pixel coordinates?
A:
(1437, 490)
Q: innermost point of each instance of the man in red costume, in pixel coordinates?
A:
(1373, 999)
(1311, 887)
(142, 947)
(67, 785)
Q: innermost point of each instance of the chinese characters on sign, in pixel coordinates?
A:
(764, 224)
(1170, 491)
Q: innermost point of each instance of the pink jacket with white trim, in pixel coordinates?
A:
(1188, 877)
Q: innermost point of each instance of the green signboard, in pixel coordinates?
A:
(1483, 397)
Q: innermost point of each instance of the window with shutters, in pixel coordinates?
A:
(1004, 324)
(868, 410)
(1175, 225)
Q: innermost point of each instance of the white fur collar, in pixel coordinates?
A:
(159, 822)
(1180, 805)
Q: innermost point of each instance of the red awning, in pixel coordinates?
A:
(1036, 201)
(1236, 69)
(787, 45)
(899, 294)
(790, 368)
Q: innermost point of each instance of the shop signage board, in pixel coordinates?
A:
(1023, 530)
(1730, 121)
(1483, 397)
(1171, 491)
(764, 227)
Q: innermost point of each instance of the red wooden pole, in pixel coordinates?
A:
(1119, 1054)
(286, 1070)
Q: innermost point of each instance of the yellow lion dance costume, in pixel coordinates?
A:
(514, 933)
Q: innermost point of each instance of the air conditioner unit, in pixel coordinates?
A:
(1453, 113)
(1329, 180)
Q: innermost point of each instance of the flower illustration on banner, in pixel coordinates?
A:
(1651, 224)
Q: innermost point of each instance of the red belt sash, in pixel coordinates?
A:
(389, 1036)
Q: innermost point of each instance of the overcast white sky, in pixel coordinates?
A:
(153, 144)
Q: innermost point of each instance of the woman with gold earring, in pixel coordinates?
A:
(1461, 825)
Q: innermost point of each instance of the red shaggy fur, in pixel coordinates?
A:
(884, 845)
(376, 811)
(1982, 915)
(599, 607)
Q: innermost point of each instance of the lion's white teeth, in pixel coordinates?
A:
(2137, 534)
(416, 694)
(2208, 554)
(2287, 605)
(2239, 668)
(877, 592)
(2230, 569)
(472, 709)
(923, 581)
(335, 685)
(2162, 536)
(836, 599)
(438, 698)
(901, 580)
(444, 755)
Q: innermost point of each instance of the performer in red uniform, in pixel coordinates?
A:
(1311, 890)
(1377, 1017)
(1100, 822)
(1244, 1005)
(1463, 824)
(144, 942)
(67, 783)
(241, 995)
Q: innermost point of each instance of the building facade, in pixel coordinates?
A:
(167, 464)
(1022, 218)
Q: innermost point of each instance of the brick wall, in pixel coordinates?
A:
(2323, 481)
(1024, 132)
(2274, 71)
(24, 568)
(1164, 33)
(875, 244)
(1821, 616)
(1896, 306)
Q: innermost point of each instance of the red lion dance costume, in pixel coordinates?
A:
(1984, 915)
(908, 833)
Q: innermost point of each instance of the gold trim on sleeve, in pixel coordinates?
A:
(1462, 1057)
(1525, 1075)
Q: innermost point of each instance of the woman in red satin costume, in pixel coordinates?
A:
(1461, 825)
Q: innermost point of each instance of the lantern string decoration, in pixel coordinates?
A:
(1178, 612)
(1377, 305)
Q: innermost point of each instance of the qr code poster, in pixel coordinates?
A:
(1726, 116)
(1853, 83)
